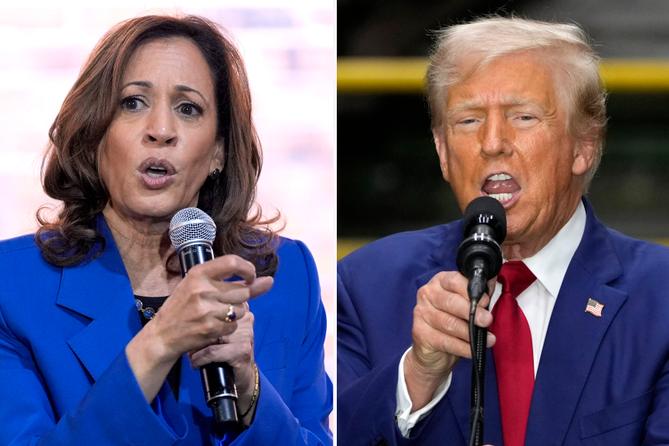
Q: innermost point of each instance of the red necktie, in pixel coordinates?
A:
(514, 363)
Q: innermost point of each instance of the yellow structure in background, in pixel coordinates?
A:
(405, 75)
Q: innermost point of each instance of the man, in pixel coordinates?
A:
(580, 350)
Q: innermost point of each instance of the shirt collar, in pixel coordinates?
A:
(550, 264)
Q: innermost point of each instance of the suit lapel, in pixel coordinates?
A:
(574, 336)
(442, 258)
(100, 290)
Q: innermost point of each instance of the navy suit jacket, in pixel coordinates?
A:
(65, 379)
(601, 381)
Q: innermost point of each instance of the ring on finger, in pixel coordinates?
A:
(230, 315)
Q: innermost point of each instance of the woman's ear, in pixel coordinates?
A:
(217, 161)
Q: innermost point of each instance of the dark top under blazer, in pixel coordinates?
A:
(601, 381)
(65, 379)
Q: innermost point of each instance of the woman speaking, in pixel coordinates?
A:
(100, 336)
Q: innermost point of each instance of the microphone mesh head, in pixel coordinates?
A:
(191, 225)
(489, 211)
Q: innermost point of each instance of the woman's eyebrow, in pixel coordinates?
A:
(179, 87)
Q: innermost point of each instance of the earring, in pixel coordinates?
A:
(213, 176)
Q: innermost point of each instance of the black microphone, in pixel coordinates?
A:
(480, 259)
(192, 233)
(479, 255)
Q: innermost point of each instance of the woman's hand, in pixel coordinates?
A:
(194, 317)
(235, 349)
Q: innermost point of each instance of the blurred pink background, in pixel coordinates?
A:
(289, 50)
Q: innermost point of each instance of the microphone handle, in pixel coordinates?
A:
(218, 379)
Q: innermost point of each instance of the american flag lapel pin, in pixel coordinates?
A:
(594, 307)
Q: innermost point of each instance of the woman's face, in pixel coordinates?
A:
(161, 144)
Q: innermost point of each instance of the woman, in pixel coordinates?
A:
(159, 120)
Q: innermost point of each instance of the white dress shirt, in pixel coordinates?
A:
(549, 266)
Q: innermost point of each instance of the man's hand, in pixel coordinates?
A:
(441, 333)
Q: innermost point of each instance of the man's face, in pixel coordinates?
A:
(505, 134)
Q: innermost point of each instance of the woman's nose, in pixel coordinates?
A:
(160, 127)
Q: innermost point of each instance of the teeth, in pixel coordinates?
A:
(154, 171)
(499, 177)
(501, 197)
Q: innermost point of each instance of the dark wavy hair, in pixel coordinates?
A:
(70, 168)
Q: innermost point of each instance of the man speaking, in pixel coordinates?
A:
(577, 319)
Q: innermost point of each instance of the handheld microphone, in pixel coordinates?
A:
(480, 259)
(192, 233)
(480, 255)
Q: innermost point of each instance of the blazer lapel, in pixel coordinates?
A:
(574, 335)
(100, 290)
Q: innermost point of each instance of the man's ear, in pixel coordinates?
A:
(442, 151)
(585, 150)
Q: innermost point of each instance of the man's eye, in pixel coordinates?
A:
(525, 120)
(468, 121)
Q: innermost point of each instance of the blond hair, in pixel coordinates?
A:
(564, 46)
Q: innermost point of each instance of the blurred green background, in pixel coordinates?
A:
(388, 173)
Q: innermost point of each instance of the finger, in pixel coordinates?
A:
(231, 312)
(232, 292)
(261, 285)
(452, 281)
(491, 339)
(437, 340)
(239, 293)
(460, 306)
(225, 267)
(229, 353)
(243, 331)
(447, 324)
(483, 316)
(492, 283)
(448, 302)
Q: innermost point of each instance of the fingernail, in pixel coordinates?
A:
(490, 340)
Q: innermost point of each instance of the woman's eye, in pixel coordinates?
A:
(189, 109)
(132, 103)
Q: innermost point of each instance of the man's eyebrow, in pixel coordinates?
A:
(475, 104)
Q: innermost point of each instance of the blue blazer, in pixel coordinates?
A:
(601, 381)
(65, 379)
